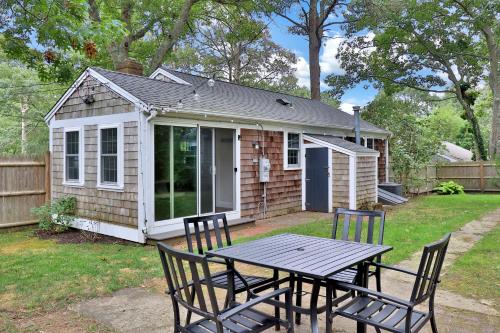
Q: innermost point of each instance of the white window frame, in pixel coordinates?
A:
(285, 151)
(81, 158)
(118, 186)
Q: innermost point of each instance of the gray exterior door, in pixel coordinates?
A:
(317, 179)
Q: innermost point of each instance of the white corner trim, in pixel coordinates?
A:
(387, 160)
(376, 179)
(171, 76)
(330, 181)
(81, 157)
(90, 72)
(109, 229)
(119, 185)
(352, 182)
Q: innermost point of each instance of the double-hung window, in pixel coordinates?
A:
(110, 159)
(73, 156)
(292, 150)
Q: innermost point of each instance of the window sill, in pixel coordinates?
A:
(114, 188)
(292, 168)
(73, 184)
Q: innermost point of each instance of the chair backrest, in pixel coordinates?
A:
(202, 237)
(183, 282)
(342, 225)
(429, 269)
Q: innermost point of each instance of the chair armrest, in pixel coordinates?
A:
(375, 293)
(253, 302)
(396, 268)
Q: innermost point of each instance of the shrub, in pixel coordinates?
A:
(56, 216)
(449, 188)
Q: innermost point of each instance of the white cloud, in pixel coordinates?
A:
(327, 60)
(346, 107)
(302, 72)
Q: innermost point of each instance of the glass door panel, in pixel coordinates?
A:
(184, 175)
(162, 172)
(206, 171)
(224, 177)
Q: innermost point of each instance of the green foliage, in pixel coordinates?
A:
(19, 86)
(449, 187)
(413, 143)
(56, 216)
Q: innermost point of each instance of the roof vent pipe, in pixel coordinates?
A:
(357, 124)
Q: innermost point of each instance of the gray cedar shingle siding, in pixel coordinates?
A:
(117, 207)
(92, 203)
(284, 192)
(105, 102)
(366, 181)
(340, 180)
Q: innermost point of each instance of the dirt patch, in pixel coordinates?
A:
(74, 236)
(54, 322)
(29, 244)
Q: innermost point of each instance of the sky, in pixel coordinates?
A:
(298, 44)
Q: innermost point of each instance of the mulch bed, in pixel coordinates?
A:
(73, 236)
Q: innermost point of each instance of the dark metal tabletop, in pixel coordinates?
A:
(306, 255)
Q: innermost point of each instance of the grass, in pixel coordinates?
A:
(409, 227)
(477, 273)
(41, 274)
(38, 275)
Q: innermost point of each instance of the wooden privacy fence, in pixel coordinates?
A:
(474, 176)
(24, 184)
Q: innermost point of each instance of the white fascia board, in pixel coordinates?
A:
(338, 148)
(171, 76)
(109, 229)
(90, 72)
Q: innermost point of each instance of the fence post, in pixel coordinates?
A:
(47, 177)
(481, 176)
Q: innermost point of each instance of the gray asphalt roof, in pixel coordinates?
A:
(343, 143)
(228, 99)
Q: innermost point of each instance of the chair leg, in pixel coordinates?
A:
(433, 324)
(329, 294)
(298, 300)
(377, 330)
(378, 279)
(188, 316)
(277, 298)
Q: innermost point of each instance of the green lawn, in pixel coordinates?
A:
(409, 227)
(41, 274)
(477, 273)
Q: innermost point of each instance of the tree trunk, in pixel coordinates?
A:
(315, 36)
(481, 153)
(168, 43)
(24, 109)
(494, 78)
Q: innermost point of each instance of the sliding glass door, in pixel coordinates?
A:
(194, 171)
(175, 172)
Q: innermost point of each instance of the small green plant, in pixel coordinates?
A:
(449, 188)
(56, 216)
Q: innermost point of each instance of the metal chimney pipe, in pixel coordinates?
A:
(357, 124)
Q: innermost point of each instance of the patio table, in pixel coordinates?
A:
(312, 257)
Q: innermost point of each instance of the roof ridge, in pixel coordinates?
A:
(138, 76)
(244, 86)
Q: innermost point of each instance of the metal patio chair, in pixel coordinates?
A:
(386, 312)
(342, 229)
(201, 241)
(182, 272)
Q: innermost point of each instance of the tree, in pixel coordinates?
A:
(481, 16)
(57, 37)
(311, 19)
(233, 43)
(413, 143)
(20, 89)
(420, 45)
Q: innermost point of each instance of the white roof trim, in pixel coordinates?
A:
(171, 76)
(90, 72)
(338, 148)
